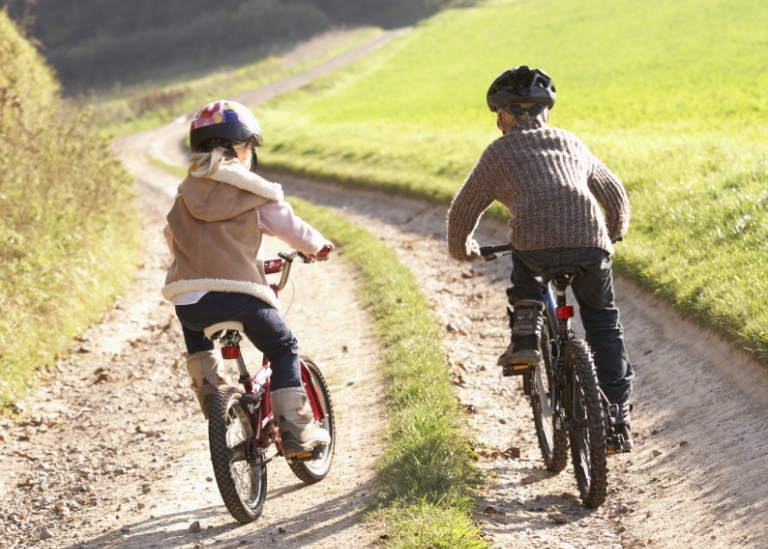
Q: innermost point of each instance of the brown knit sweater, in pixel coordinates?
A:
(554, 189)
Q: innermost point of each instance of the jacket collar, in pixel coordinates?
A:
(235, 174)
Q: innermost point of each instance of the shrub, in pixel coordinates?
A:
(68, 228)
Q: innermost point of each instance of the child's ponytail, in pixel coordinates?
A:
(213, 152)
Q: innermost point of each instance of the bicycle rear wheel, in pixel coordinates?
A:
(552, 442)
(314, 470)
(241, 474)
(584, 415)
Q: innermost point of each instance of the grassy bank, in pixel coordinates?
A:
(426, 472)
(69, 233)
(679, 116)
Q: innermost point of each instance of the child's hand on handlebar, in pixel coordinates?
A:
(324, 254)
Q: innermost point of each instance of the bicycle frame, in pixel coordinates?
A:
(256, 394)
(559, 314)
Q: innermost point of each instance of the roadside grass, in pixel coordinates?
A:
(140, 107)
(426, 473)
(70, 238)
(679, 116)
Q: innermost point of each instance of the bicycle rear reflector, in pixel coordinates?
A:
(229, 353)
(564, 312)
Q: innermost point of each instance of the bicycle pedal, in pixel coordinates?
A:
(517, 369)
(615, 445)
(314, 454)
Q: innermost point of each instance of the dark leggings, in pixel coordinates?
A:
(264, 327)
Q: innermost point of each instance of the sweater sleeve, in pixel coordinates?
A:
(469, 204)
(612, 196)
(277, 219)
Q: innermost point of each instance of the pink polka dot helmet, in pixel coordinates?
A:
(227, 120)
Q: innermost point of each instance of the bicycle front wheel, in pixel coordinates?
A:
(552, 442)
(314, 470)
(241, 474)
(584, 415)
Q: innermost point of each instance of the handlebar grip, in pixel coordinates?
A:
(490, 250)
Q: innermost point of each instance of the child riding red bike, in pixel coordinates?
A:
(215, 228)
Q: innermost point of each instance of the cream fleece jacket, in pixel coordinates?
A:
(215, 234)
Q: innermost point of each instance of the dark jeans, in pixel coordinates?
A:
(594, 293)
(264, 327)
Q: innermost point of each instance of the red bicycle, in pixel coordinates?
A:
(241, 427)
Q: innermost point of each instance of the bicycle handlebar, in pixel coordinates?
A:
(491, 253)
(286, 265)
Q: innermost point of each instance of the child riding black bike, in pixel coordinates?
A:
(555, 190)
(215, 230)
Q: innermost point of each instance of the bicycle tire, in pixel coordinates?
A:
(242, 482)
(315, 470)
(553, 442)
(584, 414)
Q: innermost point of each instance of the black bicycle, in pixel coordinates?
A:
(567, 403)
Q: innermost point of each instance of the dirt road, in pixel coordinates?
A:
(114, 452)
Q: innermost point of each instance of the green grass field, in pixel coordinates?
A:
(672, 96)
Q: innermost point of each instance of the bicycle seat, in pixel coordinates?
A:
(568, 270)
(214, 331)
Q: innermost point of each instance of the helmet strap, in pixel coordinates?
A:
(254, 159)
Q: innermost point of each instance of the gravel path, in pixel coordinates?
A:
(114, 453)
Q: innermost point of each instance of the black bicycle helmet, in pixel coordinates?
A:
(521, 85)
